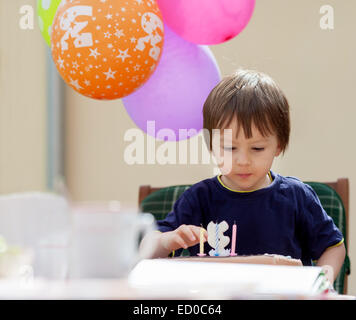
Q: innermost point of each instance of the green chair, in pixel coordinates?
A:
(334, 197)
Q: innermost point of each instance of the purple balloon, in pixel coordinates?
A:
(173, 97)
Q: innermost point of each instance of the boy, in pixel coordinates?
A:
(274, 214)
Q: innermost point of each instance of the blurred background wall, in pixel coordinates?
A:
(23, 138)
(314, 67)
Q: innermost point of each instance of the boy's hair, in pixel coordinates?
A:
(250, 97)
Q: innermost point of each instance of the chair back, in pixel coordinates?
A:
(160, 201)
(334, 207)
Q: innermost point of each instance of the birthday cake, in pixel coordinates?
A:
(218, 241)
(271, 259)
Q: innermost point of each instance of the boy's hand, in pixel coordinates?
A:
(183, 237)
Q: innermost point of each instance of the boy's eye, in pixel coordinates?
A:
(228, 148)
(258, 149)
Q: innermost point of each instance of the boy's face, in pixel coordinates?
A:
(246, 162)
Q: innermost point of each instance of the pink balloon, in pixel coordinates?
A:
(207, 21)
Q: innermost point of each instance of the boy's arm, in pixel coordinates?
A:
(152, 243)
(162, 244)
(332, 260)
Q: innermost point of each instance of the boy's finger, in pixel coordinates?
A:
(197, 231)
(181, 242)
(187, 232)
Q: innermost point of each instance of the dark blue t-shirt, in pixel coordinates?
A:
(284, 218)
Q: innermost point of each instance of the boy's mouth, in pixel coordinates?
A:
(243, 175)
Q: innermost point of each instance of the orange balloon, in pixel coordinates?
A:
(106, 49)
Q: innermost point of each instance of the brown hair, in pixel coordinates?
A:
(251, 97)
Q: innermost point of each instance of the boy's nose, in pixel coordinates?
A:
(243, 159)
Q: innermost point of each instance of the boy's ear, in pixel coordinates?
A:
(278, 152)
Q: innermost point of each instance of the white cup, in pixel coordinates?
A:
(104, 241)
(52, 256)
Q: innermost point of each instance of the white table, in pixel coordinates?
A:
(40, 289)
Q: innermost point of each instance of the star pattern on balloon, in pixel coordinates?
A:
(94, 53)
(75, 84)
(110, 74)
(123, 54)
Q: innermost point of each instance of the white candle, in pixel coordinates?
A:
(201, 253)
(217, 239)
